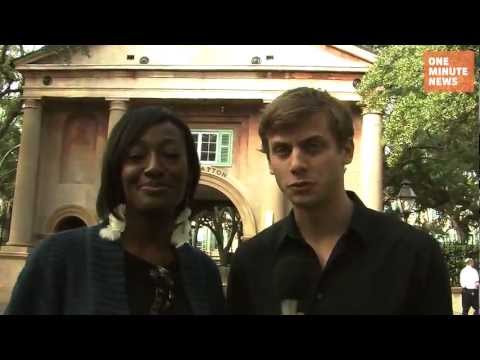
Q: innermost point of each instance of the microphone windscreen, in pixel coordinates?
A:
(293, 277)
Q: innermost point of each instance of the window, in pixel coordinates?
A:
(214, 147)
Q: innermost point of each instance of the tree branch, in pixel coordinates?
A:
(230, 240)
(3, 54)
(4, 175)
(426, 147)
(8, 90)
(213, 231)
(10, 120)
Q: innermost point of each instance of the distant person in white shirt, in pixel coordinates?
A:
(469, 284)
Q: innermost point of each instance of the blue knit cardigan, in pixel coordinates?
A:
(77, 272)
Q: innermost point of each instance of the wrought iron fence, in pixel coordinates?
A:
(5, 219)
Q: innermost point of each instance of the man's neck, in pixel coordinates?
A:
(325, 221)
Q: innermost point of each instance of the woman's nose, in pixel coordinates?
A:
(154, 164)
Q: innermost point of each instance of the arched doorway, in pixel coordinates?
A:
(232, 190)
(68, 223)
(69, 217)
(217, 227)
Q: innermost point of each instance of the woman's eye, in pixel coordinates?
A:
(172, 155)
(135, 156)
(171, 152)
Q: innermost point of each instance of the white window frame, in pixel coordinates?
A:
(218, 148)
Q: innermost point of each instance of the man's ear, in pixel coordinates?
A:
(348, 148)
(270, 167)
(267, 155)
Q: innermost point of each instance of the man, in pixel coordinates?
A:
(469, 284)
(331, 254)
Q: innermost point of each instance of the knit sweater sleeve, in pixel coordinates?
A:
(37, 289)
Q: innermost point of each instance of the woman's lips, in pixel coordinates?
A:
(154, 188)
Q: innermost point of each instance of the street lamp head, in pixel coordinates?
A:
(406, 197)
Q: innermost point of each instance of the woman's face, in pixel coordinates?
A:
(155, 170)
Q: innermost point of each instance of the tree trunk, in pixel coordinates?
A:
(195, 234)
(459, 229)
(223, 257)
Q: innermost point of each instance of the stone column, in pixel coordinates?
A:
(118, 107)
(279, 204)
(371, 151)
(273, 204)
(24, 200)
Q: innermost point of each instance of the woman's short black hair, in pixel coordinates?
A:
(126, 132)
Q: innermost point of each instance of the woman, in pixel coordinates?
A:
(138, 260)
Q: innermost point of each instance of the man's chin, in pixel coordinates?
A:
(305, 202)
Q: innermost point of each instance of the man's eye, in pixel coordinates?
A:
(313, 147)
(281, 150)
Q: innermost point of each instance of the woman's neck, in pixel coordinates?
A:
(149, 237)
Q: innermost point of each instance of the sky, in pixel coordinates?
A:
(32, 47)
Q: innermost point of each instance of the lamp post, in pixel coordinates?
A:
(406, 199)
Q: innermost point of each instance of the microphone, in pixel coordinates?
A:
(292, 279)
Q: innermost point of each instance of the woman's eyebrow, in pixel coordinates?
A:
(164, 141)
(137, 144)
(170, 141)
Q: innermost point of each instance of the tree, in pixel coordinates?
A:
(219, 220)
(11, 84)
(10, 111)
(372, 48)
(430, 139)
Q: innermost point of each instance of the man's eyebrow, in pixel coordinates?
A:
(307, 140)
(312, 138)
(279, 142)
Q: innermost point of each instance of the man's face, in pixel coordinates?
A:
(155, 171)
(307, 163)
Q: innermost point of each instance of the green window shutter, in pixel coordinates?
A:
(225, 149)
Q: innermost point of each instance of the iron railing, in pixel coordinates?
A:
(5, 219)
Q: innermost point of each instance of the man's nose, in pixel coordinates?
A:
(297, 161)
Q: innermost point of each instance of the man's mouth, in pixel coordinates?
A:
(300, 185)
